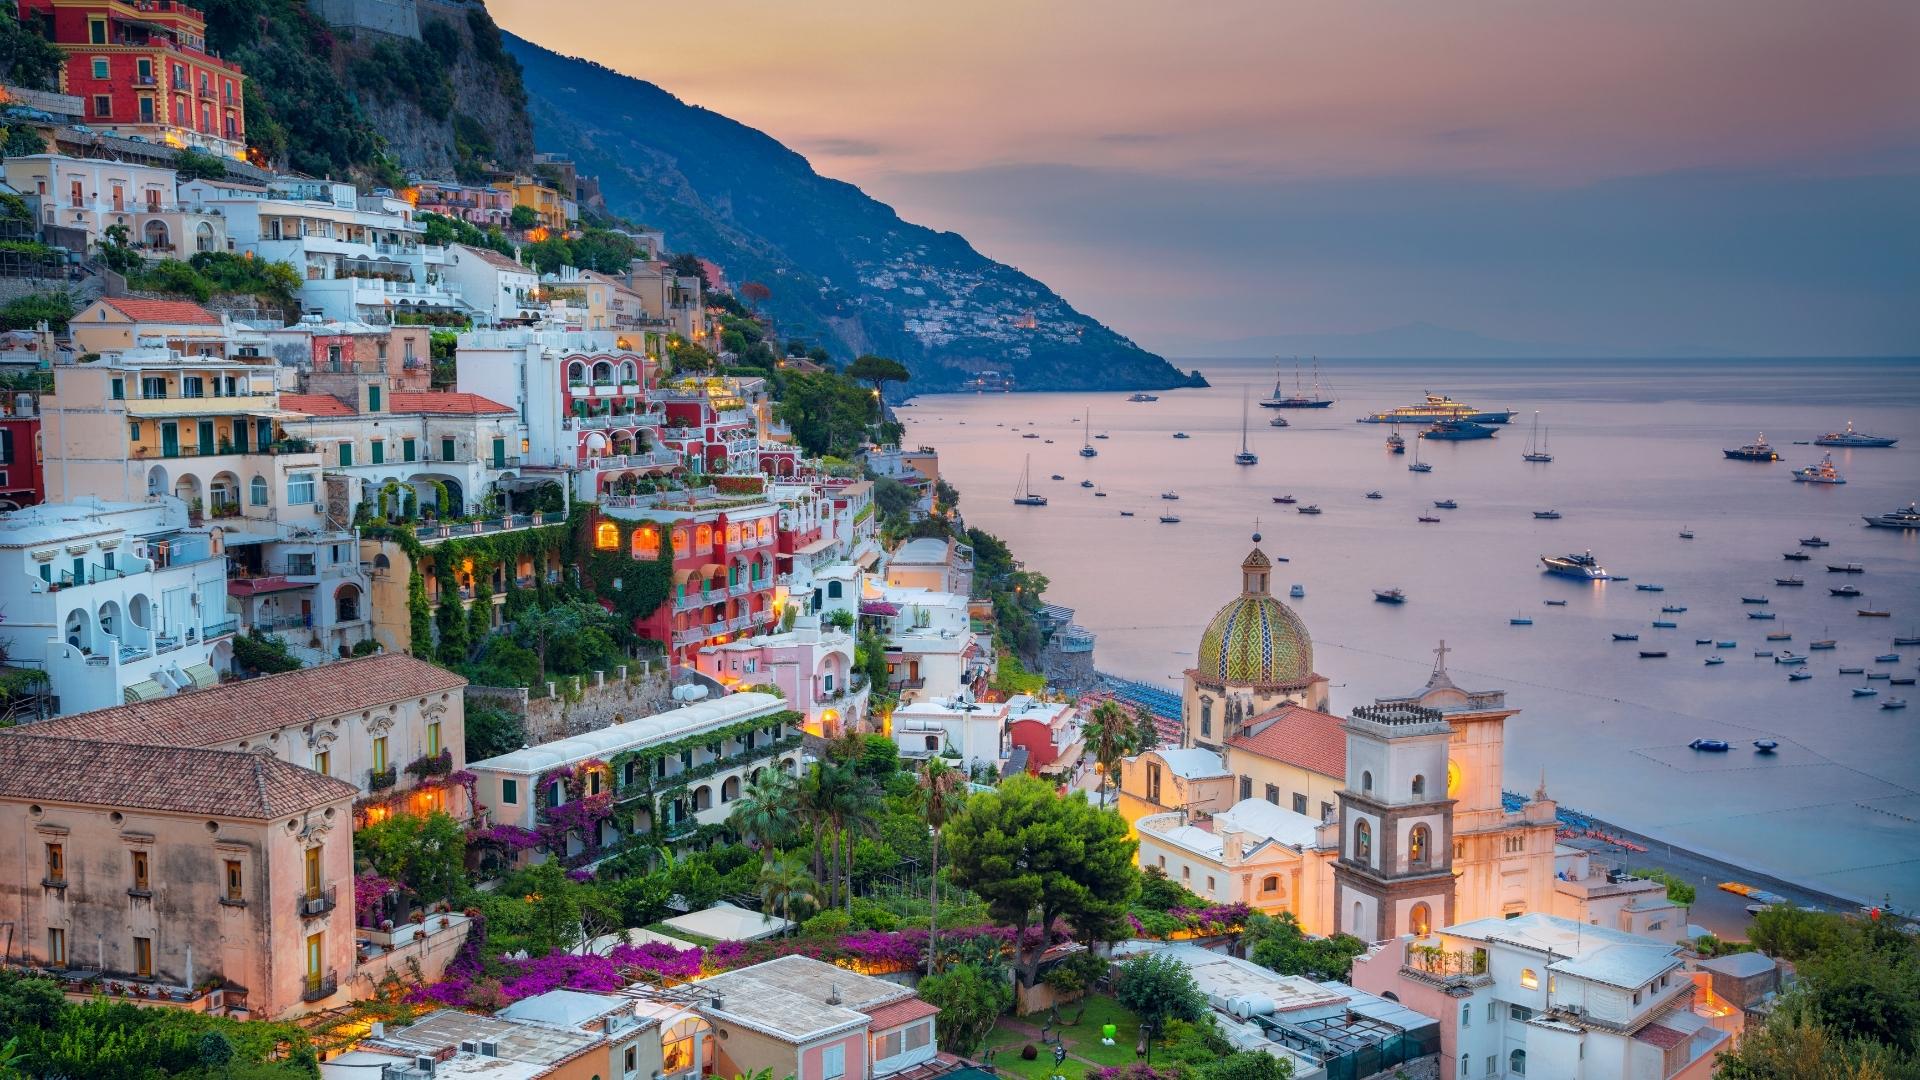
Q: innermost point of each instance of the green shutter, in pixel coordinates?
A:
(346, 453)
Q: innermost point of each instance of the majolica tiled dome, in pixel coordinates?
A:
(1256, 639)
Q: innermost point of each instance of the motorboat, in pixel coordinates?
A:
(1099, 494)
(1375, 495)
(1457, 431)
(1866, 691)
(1703, 641)
(1846, 568)
(1880, 676)
(1853, 670)
(1753, 599)
(1309, 509)
(1820, 472)
(1899, 519)
(1894, 703)
(1665, 624)
(1648, 586)
(1626, 637)
(1297, 591)
(1390, 596)
(1763, 653)
(1851, 438)
(1103, 435)
(1277, 421)
(1126, 513)
(1537, 443)
(1765, 746)
(1299, 399)
(1144, 397)
(1716, 661)
(1845, 590)
(1057, 476)
(1024, 495)
(1790, 582)
(1823, 645)
(1181, 435)
(1436, 408)
(1673, 609)
(1757, 450)
(1725, 644)
(1887, 658)
(1580, 565)
(1086, 483)
(1520, 620)
(1873, 613)
(1759, 614)
(1427, 520)
(1546, 515)
(1169, 519)
(1686, 534)
(1048, 442)
(1653, 654)
(1711, 746)
(1396, 444)
(1798, 676)
(1795, 556)
(1815, 541)
(1790, 658)
(1553, 603)
(1446, 504)
(1031, 435)
(1169, 494)
(1284, 500)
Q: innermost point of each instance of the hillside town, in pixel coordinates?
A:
(424, 655)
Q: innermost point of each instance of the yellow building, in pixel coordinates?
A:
(554, 210)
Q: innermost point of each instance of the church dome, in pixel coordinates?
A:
(1255, 639)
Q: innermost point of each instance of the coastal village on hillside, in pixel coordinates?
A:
(422, 655)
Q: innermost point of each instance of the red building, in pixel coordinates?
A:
(22, 483)
(143, 68)
(722, 570)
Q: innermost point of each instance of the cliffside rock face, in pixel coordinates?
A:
(844, 270)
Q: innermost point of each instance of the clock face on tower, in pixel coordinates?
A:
(1453, 779)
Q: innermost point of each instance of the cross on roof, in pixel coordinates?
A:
(1440, 658)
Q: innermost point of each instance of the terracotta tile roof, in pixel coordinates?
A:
(495, 259)
(315, 404)
(216, 783)
(1663, 1037)
(1299, 736)
(444, 403)
(161, 311)
(894, 1013)
(256, 706)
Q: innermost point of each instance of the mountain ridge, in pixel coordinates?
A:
(1426, 341)
(843, 268)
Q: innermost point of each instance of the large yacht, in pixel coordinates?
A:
(1757, 450)
(1820, 472)
(1908, 518)
(1580, 565)
(1457, 431)
(1436, 408)
(1852, 438)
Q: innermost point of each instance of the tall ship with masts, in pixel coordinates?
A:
(1246, 456)
(1086, 437)
(1537, 443)
(1025, 495)
(1300, 398)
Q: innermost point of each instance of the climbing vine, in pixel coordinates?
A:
(635, 587)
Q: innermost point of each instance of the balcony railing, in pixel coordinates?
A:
(319, 987)
(382, 779)
(220, 629)
(316, 903)
(906, 684)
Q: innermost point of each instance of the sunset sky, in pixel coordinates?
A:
(1737, 175)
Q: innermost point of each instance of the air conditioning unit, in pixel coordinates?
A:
(489, 1048)
(423, 1065)
(467, 1046)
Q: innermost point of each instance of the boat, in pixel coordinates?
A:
(1416, 465)
(1823, 644)
(1798, 676)
(1057, 476)
(1763, 652)
(1246, 456)
(1757, 450)
(1520, 620)
(1715, 661)
(1086, 439)
(1815, 541)
(1099, 494)
(1457, 431)
(1753, 599)
(1765, 746)
(1390, 596)
(1103, 435)
(1906, 641)
(1820, 472)
(1025, 495)
(1285, 500)
(1169, 519)
(1873, 613)
(1686, 534)
(1665, 624)
(1887, 658)
(1576, 565)
(1703, 641)
(1790, 582)
(1308, 509)
(1126, 513)
(1446, 504)
(1725, 644)
(1626, 637)
(1536, 452)
(1049, 442)
(1851, 438)
(1169, 494)
(1673, 609)
(1653, 654)
(1880, 675)
(1894, 703)
(1086, 483)
(1780, 637)
(1144, 397)
(1297, 591)
(1866, 691)
(1277, 421)
(1299, 399)
(1552, 603)
(1436, 408)
(1546, 515)
(1845, 590)
(1899, 519)
(1711, 746)
(1790, 658)
(1031, 435)
(1181, 435)
(1904, 680)
(1852, 670)
(1375, 495)
(1795, 556)
(1396, 444)
(1425, 520)
(1759, 614)
(1846, 568)
(1648, 586)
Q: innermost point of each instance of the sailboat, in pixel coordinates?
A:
(1245, 456)
(1417, 465)
(1299, 399)
(1086, 437)
(1536, 452)
(1025, 495)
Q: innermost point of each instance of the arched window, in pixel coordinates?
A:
(833, 590)
(1363, 841)
(1517, 1063)
(1466, 1014)
(1206, 716)
(576, 374)
(606, 537)
(1419, 785)
(1270, 884)
(1420, 919)
(733, 534)
(1530, 978)
(1366, 781)
(646, 543)
(1419, 845)
(679, 542)
(257, 491)
(766, 528)
(1354, 927)
(703, 537)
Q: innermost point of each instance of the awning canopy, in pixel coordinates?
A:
(688, 574)
(203, 675)
(712, 570)
(144, 690)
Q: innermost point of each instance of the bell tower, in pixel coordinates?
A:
(1395, 871)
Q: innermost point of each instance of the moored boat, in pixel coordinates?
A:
(1753, 599)
(1866, 691)
(1780, 637)
(1798, 676)
(1536, 443)
(1845, 590)
(1626, 637)
(1765, 746)
(1665, 624)
(1546, 515)
(1852, 438)
(1815, 541)
(1520, 620)
(1309, 509)
(1284, 500)
(1427, 520)
(1873, 613)
(1725, 644)
(1169, 519)
(1715, 661)
(1299, 399)
(1580, 565)
(1846, 568)
(1823, 644)
(1795, 556)
(1757, 450)
(1438, 407)
(1144, 397)
(1894, 703)
(1712, 746)
(1457, 431)
(1653, 654)
(1887, 658)
(1390, 596)
(1445, 504)
(1908, 518)
(1025, 495)
(1820, 472)
(1759, 614)
(1673, 609)
(1648, 586)
(1789, 581)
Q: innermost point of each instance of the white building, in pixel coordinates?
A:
(970, 733)
(409, 445)
(360, 257)
(944, 566)
(509, 783)
(1599, 895)
(116, 602)
(94, 194)
(1254, 853)
(498, 288)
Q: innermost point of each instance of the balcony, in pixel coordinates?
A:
(382, 779)
(906, 684)
(320, 987)
(314, 904)
(220, 629)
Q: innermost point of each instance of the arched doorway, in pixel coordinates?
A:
(346, 603)
(156, 234)
(157, 480)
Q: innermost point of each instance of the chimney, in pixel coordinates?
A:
(833, 993)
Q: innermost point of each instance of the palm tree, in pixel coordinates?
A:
(786, 886)
(850, 811)
(1110, 734)
(765, 812)
(939, 793)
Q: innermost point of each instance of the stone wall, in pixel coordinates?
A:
(1426, 1068)
(587, 704)
(400, 18)
(1071, 671)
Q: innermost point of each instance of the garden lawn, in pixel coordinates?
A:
(1082, 1040)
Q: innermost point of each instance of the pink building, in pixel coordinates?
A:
(812, 667)
(809, 1020)
(481, 206)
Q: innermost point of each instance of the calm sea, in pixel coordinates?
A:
(1637, 458)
